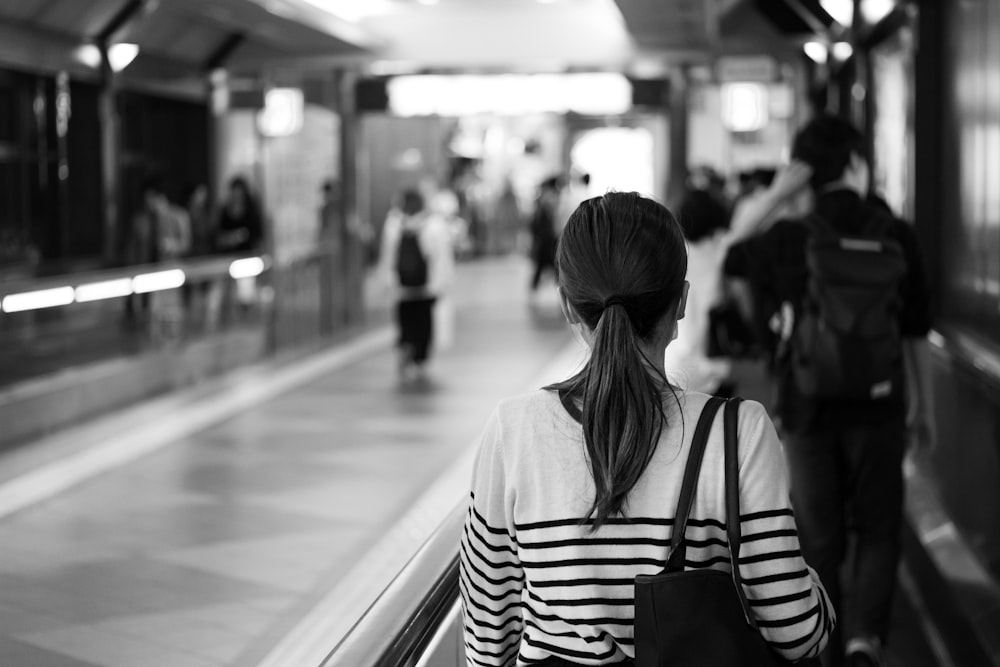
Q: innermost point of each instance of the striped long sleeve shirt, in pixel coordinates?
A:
(536, 583)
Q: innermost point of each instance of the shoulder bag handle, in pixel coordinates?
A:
(675, 559)
(733, 526)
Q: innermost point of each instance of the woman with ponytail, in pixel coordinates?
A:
(575, 485)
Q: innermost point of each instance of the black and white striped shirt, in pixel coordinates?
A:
(535, 583)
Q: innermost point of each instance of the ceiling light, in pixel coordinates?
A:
(283, 113)
(842, 11)
(351, 10)
(842, 51)
(428, 2)
(874, 11)
(89, 55)
(121, 55)
(816, 51)
(744, 106)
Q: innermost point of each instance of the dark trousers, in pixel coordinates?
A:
(847, 485)
(416, 327)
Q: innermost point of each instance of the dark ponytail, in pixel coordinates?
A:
(621, 263)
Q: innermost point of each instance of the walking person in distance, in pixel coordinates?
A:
(419, 264)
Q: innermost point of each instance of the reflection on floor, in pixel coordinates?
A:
(208, 551)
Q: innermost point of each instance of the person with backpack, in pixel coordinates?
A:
(598, 508)
(419, 264)
(850, 304)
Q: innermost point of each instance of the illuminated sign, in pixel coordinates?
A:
(744, 106)
(509, 94)
(282, 113)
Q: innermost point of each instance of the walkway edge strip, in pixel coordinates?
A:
(333, 617)
(56, 477)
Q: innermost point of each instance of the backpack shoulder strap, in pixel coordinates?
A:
(675, 559)
(819, 225)
(733, 527)
(879, 223)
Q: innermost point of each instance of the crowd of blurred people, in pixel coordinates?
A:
(165, 231)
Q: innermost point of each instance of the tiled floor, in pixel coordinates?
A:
(206, 552)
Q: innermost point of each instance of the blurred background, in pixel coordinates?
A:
(202, 437)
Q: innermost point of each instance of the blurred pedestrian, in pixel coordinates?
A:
(544, 231)
(161, 232)
(240, 230)
(418, 263)
(854, 376)
(199, 210)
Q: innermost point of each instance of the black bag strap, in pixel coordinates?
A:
(733, 527)
(675, 559)
(877, 224)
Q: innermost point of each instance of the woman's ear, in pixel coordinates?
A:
(678, 312)
(682, 302)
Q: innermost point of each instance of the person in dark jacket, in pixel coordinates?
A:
(240, 228)
(845, 456)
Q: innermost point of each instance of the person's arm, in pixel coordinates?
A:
(920, 406)
(387, 250)
(183, 232)
(442, 256)
(754, 214)
(915, 323)
(793, 612)
(490, 574)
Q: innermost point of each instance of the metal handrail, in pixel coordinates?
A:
(198, 268)
(411, 609)
(977, 356)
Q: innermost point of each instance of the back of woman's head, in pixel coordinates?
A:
(621, 264)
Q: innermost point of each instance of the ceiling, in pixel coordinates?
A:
(189, 37)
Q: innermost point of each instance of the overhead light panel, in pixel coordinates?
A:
(351, 10)
(89, 55)
(816, 51)
(842, 51)
(842, 11)
(874, 11)
(283, 112)
(744, 106)
(121, 55)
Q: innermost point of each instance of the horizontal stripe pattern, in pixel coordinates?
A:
(536, 582)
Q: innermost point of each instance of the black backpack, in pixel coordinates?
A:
(846, 342)
(411, 265)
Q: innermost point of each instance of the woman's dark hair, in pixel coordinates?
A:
(621, 263)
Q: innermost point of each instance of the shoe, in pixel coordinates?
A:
(864, 652)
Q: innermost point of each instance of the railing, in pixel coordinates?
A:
(977, 357)
(51, 323)
(416, 621)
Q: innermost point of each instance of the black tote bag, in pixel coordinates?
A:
(700, 617)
